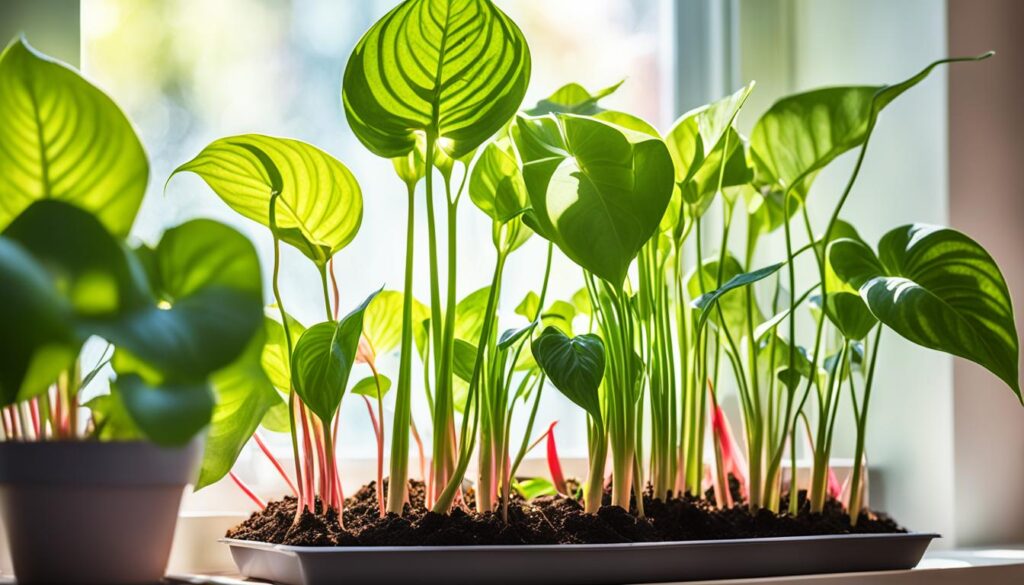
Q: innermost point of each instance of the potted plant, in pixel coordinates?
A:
(89, 487)
(658, 325)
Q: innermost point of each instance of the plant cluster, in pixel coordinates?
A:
(662, 319)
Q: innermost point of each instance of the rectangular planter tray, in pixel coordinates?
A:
(611, 564)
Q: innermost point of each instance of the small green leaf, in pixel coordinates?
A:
(463, 360)
(574, 365)
(168, 414)
(455, 70)
(529, 306)
(510, 336)
(535, 487)
(560, 315)
(496, 184)
(573, 98)
(368, 386)
(469, 314)
(322, 361)
(320, 207)
(733, 304)
(64, 139)
(706, 301)
(275, 359)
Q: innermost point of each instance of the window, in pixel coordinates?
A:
(185, 79)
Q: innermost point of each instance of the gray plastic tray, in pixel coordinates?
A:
(581, 563)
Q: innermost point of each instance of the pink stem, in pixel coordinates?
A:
(8, 427)
(419, 447)
(33, 409)
(321, 459)
(275, 463)
(340, 494)
(307, 448)
(380, 456)
(245, 489)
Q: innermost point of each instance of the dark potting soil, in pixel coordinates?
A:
(545, 520)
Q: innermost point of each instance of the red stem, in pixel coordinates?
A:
(275, 463)
(245, 489)
(554, 464)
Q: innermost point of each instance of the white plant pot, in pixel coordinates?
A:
(91, 512)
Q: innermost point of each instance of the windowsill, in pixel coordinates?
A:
(978, 566)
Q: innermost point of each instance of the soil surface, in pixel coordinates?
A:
(544, 520)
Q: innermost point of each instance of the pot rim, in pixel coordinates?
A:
(97, 463)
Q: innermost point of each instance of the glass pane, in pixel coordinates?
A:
(188, 72)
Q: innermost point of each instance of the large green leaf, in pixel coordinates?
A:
(574, 365)
(322, 361)
(454, 69)
(598, 191)
(37, 338)
(166, 414)
(244, 395)
(320, 206)
(939, 289)
(802, 133)
(62, 138)
(209, 299)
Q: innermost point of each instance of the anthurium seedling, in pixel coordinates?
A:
(444, 94)
(316, 206)
(576, 366)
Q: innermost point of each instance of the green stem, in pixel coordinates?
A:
(858, 455)
(399, 466)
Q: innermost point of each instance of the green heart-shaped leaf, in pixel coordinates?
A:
(802, 133)
(320, 207)
(369, 386)
(598, 191)
(574, 365)
(382, 322)
(64, 139)
(454, 69)
(939, 289)
(322, 361)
